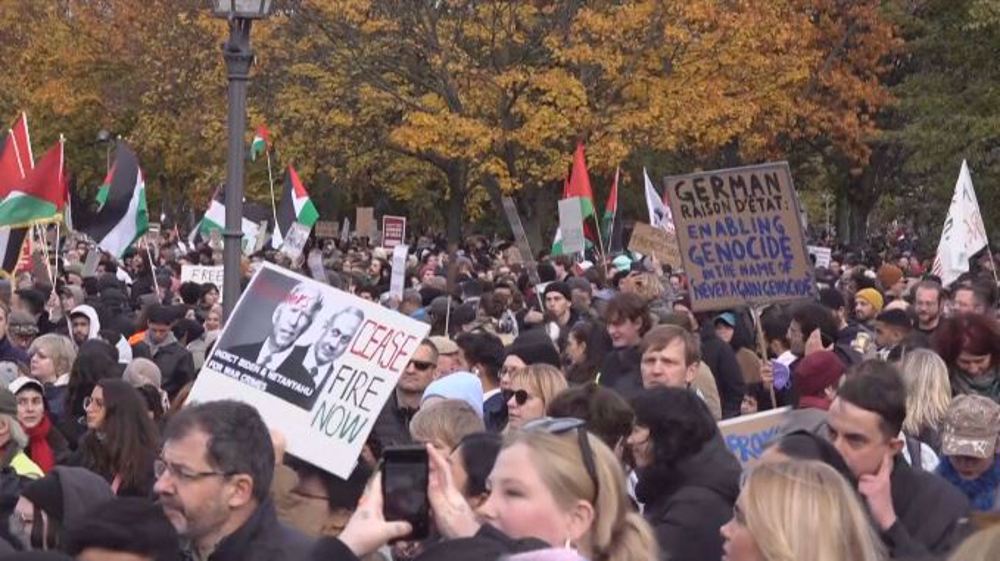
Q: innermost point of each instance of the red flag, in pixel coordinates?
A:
(579, 183)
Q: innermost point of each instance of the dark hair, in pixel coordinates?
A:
(973, 333)
(629, 306)
(608, 415)
(152, 399)
(33, 299)
(679, 426)
(238, 440)
(981, 293)
(775, 321)
(804, 445)
(876, 386)
(128, 442)
(942, 294)
(598, 343)
(546, 272)
(126, 524)
(340, 493)
(812, 316)
(479, 452)
(484, 349)
(95, 361)
(190, 293)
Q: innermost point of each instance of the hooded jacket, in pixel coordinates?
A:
(91, 313)
(687, 510)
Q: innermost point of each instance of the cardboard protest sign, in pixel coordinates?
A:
(398, 280)
(393, 231)
(571, 226)
(747, 436)
(657, 242)
(202, 274)
(316, 362)
(327, 229)
(822, 255)
(295, 241)
(365, 222)
(740, 236)
(514, 219)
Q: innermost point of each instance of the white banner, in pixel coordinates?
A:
(398, 280)
(571, 226)
(202, 274)
(318, 363)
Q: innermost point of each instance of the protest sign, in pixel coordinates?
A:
(398, 280)
(657, 242)
(316, 362)
(316, 268)
(571, 226)
(90, 265)
(740, 236)
(748, 435)
(365, 222)
(261, 238)
(514, 219)
(202, 274)
(251, 231)
(327, 229)
(822, 255)
(215, 239)
(345, 231)
(393, 231)
(27, 249)
(295, 240)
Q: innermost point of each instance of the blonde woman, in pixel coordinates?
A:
(445, 423)
(552, 481)
(981, 546)
(531, 390)
(52, 358)
(799, 510)
(928, 395)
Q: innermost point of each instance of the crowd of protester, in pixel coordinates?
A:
(574, 418)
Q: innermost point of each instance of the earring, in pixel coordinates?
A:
(569, 544)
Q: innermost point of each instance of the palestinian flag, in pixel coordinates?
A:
(295, 206)
(16, 161)
(578, 185)
(261, 143)
(612, 225)
(41, 196)
(11, 242)
(123, 216)
(215, 219)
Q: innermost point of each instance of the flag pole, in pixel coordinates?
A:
(37, 231)
(152, 267)
(270, 180)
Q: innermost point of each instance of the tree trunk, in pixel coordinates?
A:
(458, 177)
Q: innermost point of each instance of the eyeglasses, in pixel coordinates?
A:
(421, 365)
(161, 466)
(562, 425)
(520, 396)
(89, 401)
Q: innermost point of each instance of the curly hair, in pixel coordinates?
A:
(679, 426)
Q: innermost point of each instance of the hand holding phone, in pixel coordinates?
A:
(405, 476)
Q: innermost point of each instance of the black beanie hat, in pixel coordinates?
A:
(560, 287)
(46, 493)
(126, 524)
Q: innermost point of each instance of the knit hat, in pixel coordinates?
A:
(560, 287)
(888, 275)
(534, 347)
(458, 385)
(814, 373)
(21, 323)
(127, 524)
(971, 427)
(871, 296)
(8, 403)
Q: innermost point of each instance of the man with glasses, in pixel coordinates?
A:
(392, 426)
(311, 366)
(213, 482)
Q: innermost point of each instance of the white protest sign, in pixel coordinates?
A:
(295, 240)
(321, 382)
(250, 235)
(202, 274)
(316, 268)
(345, 231)
(571, 226)
(822, 255)
(398, 280)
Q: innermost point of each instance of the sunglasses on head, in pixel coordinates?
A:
(562, 425)
(520, 396)
(421, 365)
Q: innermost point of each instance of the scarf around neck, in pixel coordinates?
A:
(39, 449)
(982, 491)
(153, 347)
(986, 384)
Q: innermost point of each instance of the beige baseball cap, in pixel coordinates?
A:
(971, 427)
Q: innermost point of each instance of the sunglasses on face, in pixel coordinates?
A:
(421, 365)
(562, 425)
(520, 396)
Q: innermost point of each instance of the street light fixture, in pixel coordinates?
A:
(239, 59)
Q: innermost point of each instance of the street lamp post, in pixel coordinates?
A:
(239, 58)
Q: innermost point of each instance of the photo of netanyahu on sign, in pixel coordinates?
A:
(313, 365)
